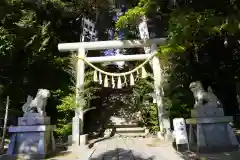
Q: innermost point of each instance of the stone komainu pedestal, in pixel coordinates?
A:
(209, 130)
(32, 138)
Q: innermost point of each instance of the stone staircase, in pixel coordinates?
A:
(128, 130)
(122, 128)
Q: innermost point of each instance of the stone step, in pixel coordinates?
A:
(130, 130)
(126, 125)
(128, 134)
(123, 121)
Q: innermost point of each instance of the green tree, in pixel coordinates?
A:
(29, 34)
(208, 31)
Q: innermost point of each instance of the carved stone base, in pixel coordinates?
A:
(216, 137)
(31, 141)
(212, 134)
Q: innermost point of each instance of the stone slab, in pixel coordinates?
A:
(207, 112)
(83, 139)
(34, 114)
(32, 145)
(77, 128)
(39, 128)
(225, 119)
(214, 137)
(160, 135)
(70, 140)
(31, 121)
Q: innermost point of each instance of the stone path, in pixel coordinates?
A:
(118, 148)
(134, 149)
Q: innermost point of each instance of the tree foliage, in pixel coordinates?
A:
(143, 101)
(29, 59)
(208, 32)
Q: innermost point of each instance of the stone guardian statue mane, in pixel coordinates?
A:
(203, 98)
(38, 104)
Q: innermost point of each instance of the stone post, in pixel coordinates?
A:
(77, 123)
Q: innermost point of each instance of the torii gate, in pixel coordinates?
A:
(82, 47)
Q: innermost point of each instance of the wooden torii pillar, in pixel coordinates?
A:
(81, 48)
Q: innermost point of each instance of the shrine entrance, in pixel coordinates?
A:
(82, 47)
